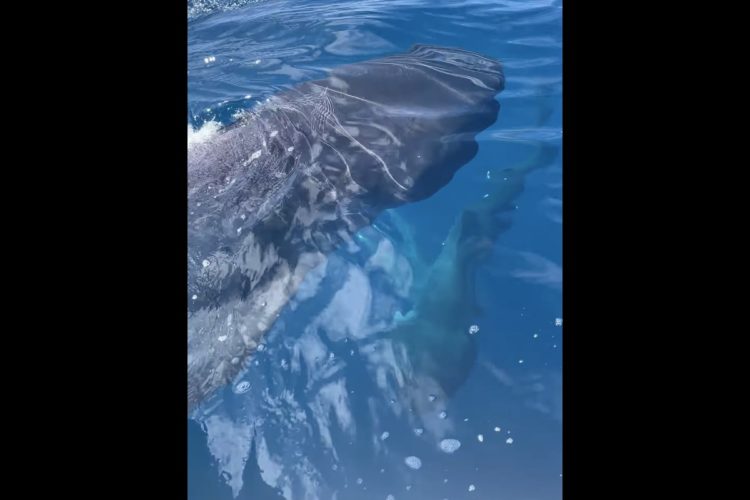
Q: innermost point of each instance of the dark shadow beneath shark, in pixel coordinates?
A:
(293, 179)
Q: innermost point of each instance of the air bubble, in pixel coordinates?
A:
(450, 445)
(413, 462)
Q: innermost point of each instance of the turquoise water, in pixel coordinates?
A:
(323, 411)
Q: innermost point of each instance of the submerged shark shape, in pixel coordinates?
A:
(438, 344)
(293, 179)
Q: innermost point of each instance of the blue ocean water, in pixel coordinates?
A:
(323, 411)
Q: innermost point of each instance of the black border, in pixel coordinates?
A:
(96, 360)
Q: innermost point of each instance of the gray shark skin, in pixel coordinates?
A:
(293, 179)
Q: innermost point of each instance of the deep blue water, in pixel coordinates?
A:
(324, 391)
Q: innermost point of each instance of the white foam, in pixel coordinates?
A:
(413, 462)
(203, 134)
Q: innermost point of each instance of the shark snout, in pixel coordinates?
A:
(485, 70)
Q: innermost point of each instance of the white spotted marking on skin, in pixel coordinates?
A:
(242, 387)
(252, 158)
